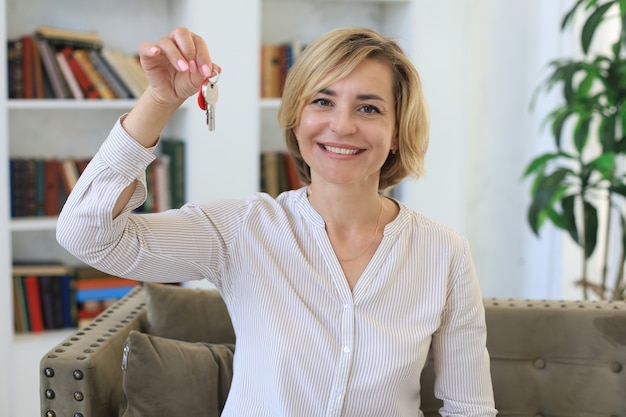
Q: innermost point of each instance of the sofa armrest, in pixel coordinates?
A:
(82, 375)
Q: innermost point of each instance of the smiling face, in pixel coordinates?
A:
(347, 129)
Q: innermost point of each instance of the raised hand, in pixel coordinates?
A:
(176, 65)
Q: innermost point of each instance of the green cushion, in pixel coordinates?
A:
(165, 377)
(188, 314)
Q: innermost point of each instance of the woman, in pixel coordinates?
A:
(336, 293)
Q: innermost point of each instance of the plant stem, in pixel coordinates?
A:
(618, 291)
(605, 260)
(584, 281)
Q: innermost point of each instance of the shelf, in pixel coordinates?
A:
(269, 103)
(28, 224)
(51, 104)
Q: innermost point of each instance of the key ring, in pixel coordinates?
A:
(201, 100)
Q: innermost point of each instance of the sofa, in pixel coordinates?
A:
(167, 350)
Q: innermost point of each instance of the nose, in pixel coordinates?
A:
(342, 122)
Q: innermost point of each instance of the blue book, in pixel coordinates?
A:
(102, 294)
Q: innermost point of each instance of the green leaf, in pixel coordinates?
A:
(559, 117)
(555, 218)
(570, 15)
(607, 131)
(586, 84)
(618, 189)
(538, 164)
(569, 217)
(591, 228)
(604, 164)
(592, 24)
(581, 132)
(546, 191)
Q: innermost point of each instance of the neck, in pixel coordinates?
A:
(345, 210)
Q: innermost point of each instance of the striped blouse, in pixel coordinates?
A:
(306, 344)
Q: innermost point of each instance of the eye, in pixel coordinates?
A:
(370, 109)
(322, 102)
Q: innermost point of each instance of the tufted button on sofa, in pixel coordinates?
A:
(548, 358)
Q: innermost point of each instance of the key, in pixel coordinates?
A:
(210, 94)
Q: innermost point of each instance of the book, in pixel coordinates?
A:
(271, 65)
(70, 37)
(14, 68)
(84, 60)
(96, 290)
(52, 193)
(293, 179)
(40, 187)
(47, 294)
(102, 294)
(70, 308)
(69, 174)
(20, 310)
(271, 173)
(28, 80)
(87, 87)
(52, 70)
(50, 288)
(175, 150)
(134, 67)
(109, 74)
(161, 186)
(33, 303)
(69, 76)
(117, 61)
(23, 182)
(38, 73)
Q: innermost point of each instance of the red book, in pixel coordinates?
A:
(52, 178)
(292, 174)
(33, 301)
(28, 79)
(88, 89)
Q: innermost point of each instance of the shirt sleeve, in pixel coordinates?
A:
(172, 246)
(462, 366)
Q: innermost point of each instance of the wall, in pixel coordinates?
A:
(480, 61)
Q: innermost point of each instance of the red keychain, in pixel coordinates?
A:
(201, 100)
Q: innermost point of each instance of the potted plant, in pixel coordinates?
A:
(580, 186)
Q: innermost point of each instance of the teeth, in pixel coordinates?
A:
(342, 151)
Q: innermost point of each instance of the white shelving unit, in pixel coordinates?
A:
(220, 164)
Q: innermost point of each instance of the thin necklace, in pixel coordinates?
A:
(380, 212)
(309, 192)
(369, 245)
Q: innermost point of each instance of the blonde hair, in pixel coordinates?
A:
(332, 57)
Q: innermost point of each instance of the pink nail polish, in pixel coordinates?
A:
(193, 67)
(206, 71)
(154, 50)
(182, 65)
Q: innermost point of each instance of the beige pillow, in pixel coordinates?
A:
(165, 377)
(188, 314)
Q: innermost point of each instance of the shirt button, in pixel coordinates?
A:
(346, 349)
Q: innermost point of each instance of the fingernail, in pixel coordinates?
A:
(193, 67)
(206, 71)
(182, 65)
(154, 50)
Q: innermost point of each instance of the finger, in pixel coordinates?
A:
(178, 47)
(203, 58)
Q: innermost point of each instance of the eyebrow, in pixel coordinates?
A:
(332, 93)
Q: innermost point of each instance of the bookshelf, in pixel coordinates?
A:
(245, 125)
